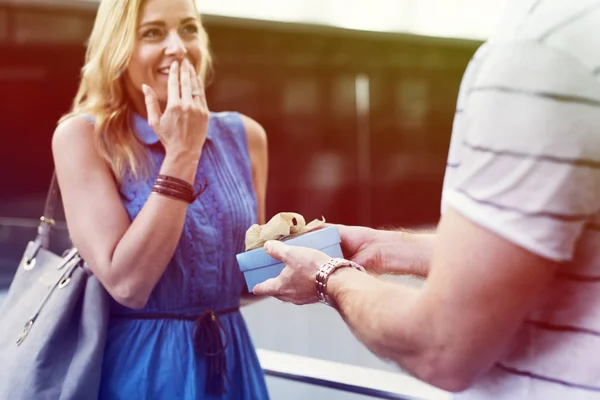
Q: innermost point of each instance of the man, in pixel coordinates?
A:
(510, 308)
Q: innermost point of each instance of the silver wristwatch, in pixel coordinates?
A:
(325, 272)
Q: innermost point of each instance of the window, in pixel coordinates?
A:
(36, 27)
(300, 97)
(412, 102)
(344, 96)
(3, 25)
(301, 109)
(237, 92)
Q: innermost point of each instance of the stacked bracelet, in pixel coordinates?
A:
(177, 188)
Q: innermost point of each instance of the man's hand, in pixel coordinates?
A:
(363, 246)
(297, 281)
(399, 252)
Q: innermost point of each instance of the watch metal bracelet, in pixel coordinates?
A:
(325, 272)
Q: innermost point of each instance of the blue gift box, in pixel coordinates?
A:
(258, 266)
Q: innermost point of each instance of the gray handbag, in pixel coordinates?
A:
(53, 323)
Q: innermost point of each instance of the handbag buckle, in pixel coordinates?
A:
(28, 264)
(25, 332)
(64, 282)
(29, 258)
(47, 220)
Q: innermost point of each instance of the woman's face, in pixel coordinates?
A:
(168, 31)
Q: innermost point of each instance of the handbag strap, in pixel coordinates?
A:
(47, 219)
(47, 222)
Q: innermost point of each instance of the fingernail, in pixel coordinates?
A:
(174, 65)
(145, 89)
(268, 245)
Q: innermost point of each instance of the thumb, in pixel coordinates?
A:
(278, 250)
(268, 288)
(152, 107)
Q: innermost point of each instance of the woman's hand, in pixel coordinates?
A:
(183, 126)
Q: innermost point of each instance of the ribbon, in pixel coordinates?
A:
(282, 226)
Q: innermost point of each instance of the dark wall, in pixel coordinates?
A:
(37, 85)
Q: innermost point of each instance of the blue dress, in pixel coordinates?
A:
(155, 357)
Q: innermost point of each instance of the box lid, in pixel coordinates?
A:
(319, 240)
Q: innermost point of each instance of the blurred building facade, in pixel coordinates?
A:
(358, 122)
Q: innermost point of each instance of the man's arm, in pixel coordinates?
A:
(400, 252)
(458, 325)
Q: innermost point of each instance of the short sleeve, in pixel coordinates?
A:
(530, 154)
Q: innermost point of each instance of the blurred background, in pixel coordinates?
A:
(357, 98)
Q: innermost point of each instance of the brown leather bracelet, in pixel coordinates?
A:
(173, 193)
(175, 180)
(182, 192)
(177, 188)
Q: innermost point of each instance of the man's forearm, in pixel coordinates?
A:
(406, 252)
(364, 303)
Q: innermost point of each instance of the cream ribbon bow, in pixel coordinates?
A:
(284, 225)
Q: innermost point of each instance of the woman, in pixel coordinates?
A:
(158, 193)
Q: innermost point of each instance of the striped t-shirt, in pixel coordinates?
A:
(524, 162)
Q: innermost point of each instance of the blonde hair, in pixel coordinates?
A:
(101, 93)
